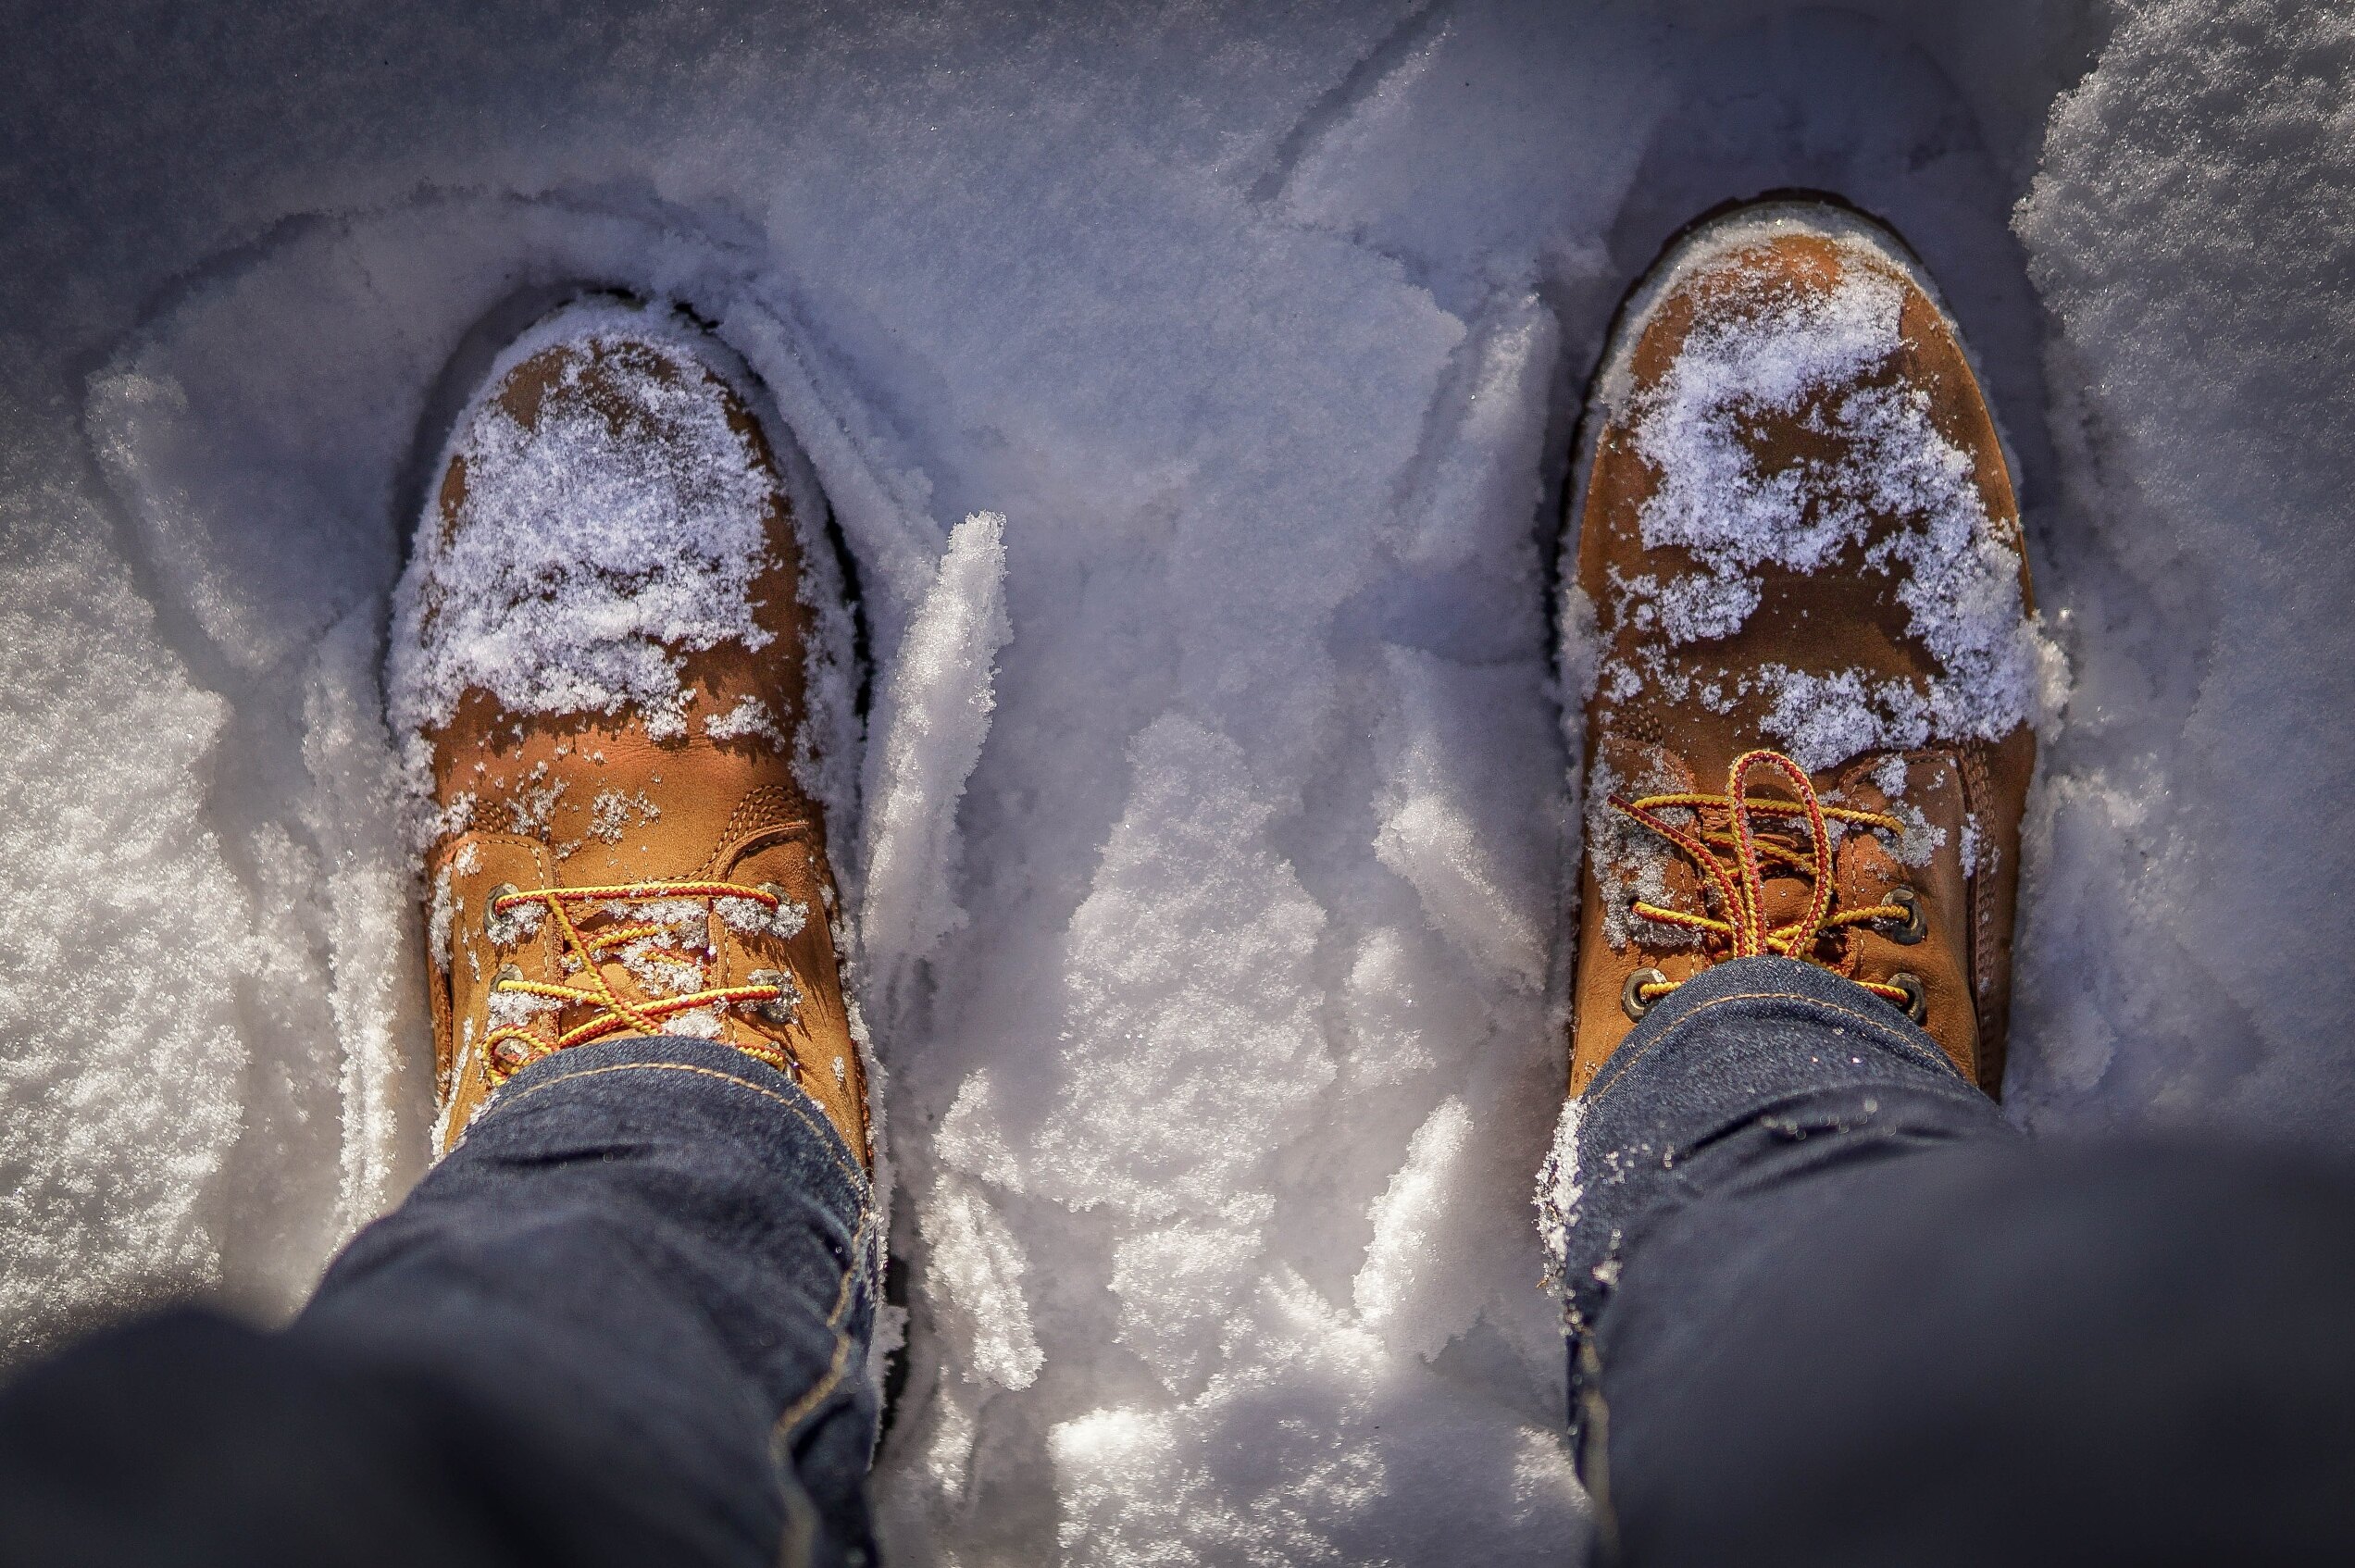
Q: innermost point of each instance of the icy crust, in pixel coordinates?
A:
(1758, 350)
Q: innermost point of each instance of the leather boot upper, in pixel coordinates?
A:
(638, 852)
(1796, 533)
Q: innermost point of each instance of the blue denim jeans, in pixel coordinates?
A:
(1826, 1307)
(625, 1322)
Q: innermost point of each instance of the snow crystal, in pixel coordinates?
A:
(1920, 840)
(531, 809)
(609, 812)
(659, 969)
(512, 1008)
(749, 719)
(450, 820)
(1825, 720)
(1560, 1191)
(444, 908)
(1580, 645)
(1888, 775)
(785, 920)
(1763, 352)
(700, 1022)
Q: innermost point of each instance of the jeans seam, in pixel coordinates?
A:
(858, 1183)
(791, 1419)
(1876, 1025)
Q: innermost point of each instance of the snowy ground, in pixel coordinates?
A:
(1222, 1005)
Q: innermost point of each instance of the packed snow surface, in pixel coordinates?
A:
(1214, 944)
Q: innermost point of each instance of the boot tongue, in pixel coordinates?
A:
(626, 986)
(1786, 901)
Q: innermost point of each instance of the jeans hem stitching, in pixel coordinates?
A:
(1895, 1036)
(816, 1123)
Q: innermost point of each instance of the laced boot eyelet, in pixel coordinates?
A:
(500, 928)
(783, 1008)
(510, 1056)
(1916, 1005)
(1631, 997)
(1917, 919)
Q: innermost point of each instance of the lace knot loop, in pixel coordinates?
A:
(1726, 844)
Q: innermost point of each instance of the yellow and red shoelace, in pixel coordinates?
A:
(509, 1049)
(1725, 845)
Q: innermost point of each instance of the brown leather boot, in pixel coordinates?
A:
(605, 659)
(1801, 619)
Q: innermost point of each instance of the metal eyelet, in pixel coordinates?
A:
(1917, 919)
(512, 1054)
(500, 928)
(1631, 998)
(1917, 1005)
(790, 917)
(783, 1009)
